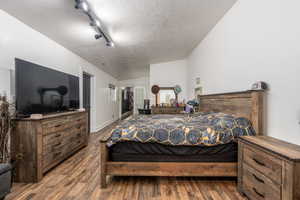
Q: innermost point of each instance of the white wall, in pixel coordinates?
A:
(256, 40)
(5, 82)
(169, 74)
(137, 82)
(21, 41)
(134, 72)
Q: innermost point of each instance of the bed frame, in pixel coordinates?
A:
(244, 104)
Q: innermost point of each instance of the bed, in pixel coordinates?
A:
(138, 156)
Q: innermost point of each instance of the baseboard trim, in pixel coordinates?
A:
(104, 125)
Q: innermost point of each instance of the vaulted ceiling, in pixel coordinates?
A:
(144, 31)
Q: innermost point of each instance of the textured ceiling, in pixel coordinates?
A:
(144, 31)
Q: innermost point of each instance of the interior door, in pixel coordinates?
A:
(87, 97)
(139, 96)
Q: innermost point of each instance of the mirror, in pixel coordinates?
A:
(166, 94)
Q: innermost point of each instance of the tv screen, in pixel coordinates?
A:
(40, 90)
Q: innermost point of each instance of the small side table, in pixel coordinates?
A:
(268, 168)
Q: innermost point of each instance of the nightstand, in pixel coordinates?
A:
(268, 168)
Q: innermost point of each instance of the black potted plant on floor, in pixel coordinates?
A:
(5, 166)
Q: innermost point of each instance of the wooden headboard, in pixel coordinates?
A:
(247, 104)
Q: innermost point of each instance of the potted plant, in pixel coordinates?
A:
(5, 166)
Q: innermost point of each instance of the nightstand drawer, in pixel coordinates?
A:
(259, 187)
(263, 162)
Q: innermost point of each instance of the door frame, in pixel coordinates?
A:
(92, 116)
(119, 93)
(135, 111)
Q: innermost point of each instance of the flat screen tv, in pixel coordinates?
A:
(40, 90)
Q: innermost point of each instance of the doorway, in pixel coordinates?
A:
(86, 79)
(126, 102)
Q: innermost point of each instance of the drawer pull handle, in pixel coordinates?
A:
(259, 194)
(58, 135)
(58, 126)
(57, 154)
(259, 162)
(57, 144)
(258, 179)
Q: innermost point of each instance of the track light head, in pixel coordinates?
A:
(110, 44)
(98, 36)
(82, 5)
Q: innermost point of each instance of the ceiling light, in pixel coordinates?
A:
(94, 21)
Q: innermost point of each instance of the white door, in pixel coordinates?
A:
(139, 96)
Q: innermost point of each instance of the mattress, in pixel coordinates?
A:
(154, 152)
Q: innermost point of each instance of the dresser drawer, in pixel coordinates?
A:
(256, 186)
(53, 138)
(56, 145)
(78, 119)
(50, 148)
(263, 162)
(49, 158)
(78, 127)
(79, 141)
(52, 126)
(64, 139)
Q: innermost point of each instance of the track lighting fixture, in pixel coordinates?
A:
(98, 36)
(94, 21)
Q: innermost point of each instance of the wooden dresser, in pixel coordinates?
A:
(166, 110)
(268, 169)
(37, 145)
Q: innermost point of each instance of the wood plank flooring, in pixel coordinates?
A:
(78, 179)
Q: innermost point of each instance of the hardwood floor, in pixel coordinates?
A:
(78, 179)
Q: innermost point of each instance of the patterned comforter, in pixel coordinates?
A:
(204, 129)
